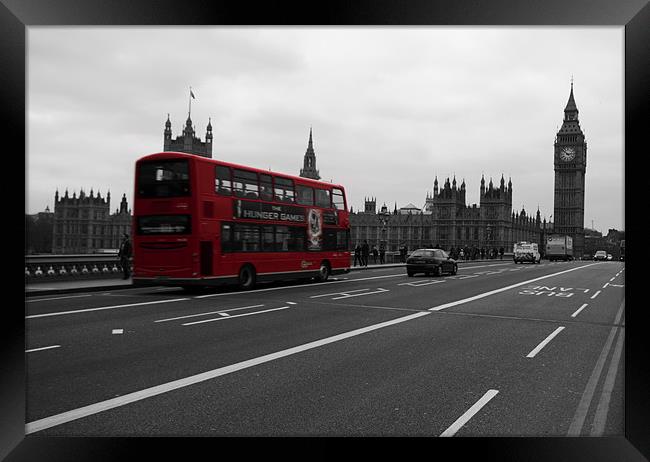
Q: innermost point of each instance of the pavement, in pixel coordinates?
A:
(50, 287)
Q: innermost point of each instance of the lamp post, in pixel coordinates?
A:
(383, 219)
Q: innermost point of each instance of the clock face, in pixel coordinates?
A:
(567, 154)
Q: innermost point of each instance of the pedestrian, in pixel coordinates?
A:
(501, 251)
(365, 253)
(125, 255)
(382, 253)
(357, 255)
(375, 252)
(462, 254)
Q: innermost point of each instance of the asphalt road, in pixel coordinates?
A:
(497, 350)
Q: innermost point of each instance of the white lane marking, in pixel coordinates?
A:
(482, 266)
(606, 284)
(579, 310)
(223, 314)
(56, 298)
(596, 294)
(539, 347)
(117, 331)
(233, 317)
(612, 279)
(617, 285)
(463, 419)
(293, 287)
(338, 293)
(600, 418)
(420, 283)
(337, 281)
(42, 348)
(378, 291)
(291, 303)
(64, 417)
(496, 291)
(208, 313)
(86, 310)
(585, 402)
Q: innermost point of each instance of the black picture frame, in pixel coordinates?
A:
(17, 15)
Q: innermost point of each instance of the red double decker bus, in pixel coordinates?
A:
(203, 222)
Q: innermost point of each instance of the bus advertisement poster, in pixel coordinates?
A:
(315, 229)
(263, 211)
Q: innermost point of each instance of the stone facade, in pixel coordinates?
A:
(448, 222)
(188, 142)
(84, 224)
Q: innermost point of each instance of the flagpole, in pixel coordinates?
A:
(189, 113)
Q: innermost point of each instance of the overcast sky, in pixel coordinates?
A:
(390, 107)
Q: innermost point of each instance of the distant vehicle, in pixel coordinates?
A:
(622, 249)
(600, 255)
(609, 257)
(526, 251)
(559, 247)
(430, 261)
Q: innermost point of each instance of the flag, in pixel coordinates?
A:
(192, 95)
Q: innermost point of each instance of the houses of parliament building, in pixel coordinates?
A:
(83, 224)
(446, 221)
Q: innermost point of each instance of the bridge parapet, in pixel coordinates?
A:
(72, 267)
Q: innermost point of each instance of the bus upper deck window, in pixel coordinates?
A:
(323, 198)
(266, 187)
(223, 182)
(284, 191)
(305, 195)
(245, 184)
(338, 199)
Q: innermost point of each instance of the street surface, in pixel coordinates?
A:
(498, 350)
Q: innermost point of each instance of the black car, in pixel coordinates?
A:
(430, 261)
(600, 255)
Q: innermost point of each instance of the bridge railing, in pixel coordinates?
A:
(72, 267)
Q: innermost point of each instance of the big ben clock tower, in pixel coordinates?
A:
(570, 165)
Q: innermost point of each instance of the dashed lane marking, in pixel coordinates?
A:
(42, 348)
(79, 413)
(544, 342)
(463, 419)
(579, 310)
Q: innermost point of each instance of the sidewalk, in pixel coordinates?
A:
(46, 287)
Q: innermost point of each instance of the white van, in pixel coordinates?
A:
(526, 251)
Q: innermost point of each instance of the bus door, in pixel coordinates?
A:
(206, 258)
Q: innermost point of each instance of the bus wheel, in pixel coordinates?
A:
(323, 272)
(246, 277)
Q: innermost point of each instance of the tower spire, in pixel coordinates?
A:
(571, 104)
(309, 162)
